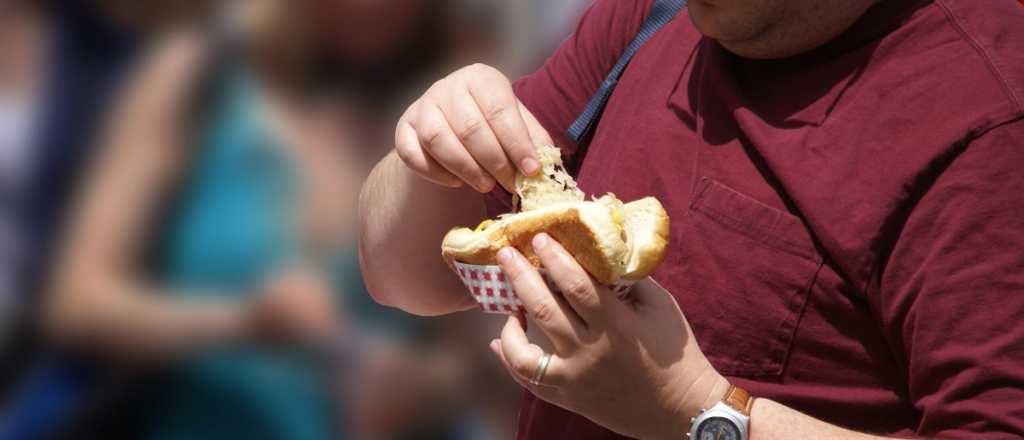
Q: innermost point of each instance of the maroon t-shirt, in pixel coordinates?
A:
(847, 225)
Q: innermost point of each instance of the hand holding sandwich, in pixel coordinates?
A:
(631, 366)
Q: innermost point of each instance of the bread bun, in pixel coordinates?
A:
(551, 185)
(612, 240)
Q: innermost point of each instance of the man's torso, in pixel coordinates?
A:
(786, 183)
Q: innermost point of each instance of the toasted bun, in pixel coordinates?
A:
(610, 239)
(586, 229)
(646, 224)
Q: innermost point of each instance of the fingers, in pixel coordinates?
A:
(649, 296)
(555, 319)
(441, 143)
(470, 127)
(408, 148)
(578, 288)
(523, 358)
(543, 389)
(496, 349)
(473, 131)
(493, 94)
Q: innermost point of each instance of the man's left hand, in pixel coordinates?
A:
(631, 365)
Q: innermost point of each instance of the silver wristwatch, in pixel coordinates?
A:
(727, 420)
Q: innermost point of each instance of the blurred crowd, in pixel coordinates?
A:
(178, 181)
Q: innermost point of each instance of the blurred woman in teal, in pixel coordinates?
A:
(214, 234)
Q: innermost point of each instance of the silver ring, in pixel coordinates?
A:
(542, 367)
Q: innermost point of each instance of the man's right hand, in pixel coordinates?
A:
(469, 127)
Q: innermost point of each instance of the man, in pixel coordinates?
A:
(843, 182)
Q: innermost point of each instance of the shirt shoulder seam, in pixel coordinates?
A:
(986, 57)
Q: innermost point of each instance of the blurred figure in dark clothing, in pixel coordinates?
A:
(61, 61)
(23, 27)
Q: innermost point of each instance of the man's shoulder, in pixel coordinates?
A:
(559, 91)
(611, 24)
(953, 68)
(986, 42)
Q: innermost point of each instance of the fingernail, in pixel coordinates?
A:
(530, 165)
(505, 255)
(540, 241)
(494, 345)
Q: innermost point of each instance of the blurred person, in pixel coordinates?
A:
(217, 226)
(24, 30)
(230, 209)
(843, 184)
(61, 59)
(72, 54)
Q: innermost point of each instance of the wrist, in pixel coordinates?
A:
(728, 415)
(705, 391)
(214, 324)
(716, 393)
(265, 320)
(251, 322)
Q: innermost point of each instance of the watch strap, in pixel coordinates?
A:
(738, 399)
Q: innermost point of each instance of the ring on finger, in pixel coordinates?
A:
(542, 367)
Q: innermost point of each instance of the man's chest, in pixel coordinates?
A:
(743, 264)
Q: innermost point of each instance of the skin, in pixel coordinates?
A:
(468, 133)
(766, 29)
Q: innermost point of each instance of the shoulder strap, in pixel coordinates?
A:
(662, 12)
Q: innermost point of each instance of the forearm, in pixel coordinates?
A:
(402, 221)
(134, 323)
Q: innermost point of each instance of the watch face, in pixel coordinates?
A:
(718, 428)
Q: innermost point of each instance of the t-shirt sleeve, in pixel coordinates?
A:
(951, 299)
(557, 92)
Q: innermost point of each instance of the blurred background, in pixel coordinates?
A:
(178, 182)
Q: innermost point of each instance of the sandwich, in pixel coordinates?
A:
(615, 242)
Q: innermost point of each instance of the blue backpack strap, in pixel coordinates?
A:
(662, 12)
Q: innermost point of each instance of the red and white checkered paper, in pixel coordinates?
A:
(492, 290)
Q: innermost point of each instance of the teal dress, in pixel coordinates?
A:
(232, 227)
